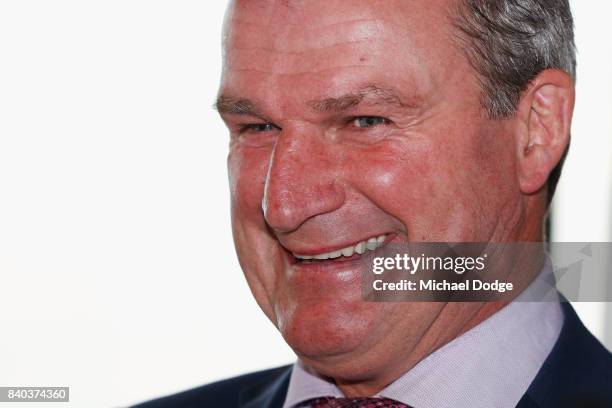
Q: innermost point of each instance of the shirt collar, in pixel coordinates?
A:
(305, 384)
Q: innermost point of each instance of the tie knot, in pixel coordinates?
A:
(331, 402)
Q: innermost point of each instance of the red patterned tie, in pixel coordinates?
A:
(331, 402)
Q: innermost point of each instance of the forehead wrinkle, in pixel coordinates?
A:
(279, 73)
(271, 49)
(289, 38)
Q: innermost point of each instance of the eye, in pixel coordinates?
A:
(363, 122)
(258, 127)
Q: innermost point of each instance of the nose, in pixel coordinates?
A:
(302, 179)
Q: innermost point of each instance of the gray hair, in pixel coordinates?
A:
(509, 42)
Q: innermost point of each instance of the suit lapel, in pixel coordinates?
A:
(527, 402)
(576, 372)
(270, 394)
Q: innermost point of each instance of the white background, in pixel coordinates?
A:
(118, 274)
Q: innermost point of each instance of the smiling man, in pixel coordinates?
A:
(355, 125)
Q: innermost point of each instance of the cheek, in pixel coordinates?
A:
(407, 178)
(496, 161)
(247, 170)
(437, 189)
(256, 249)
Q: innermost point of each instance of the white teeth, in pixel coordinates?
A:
(348, 251)
(372, 244)
(360, 248)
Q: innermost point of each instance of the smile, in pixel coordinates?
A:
(360, 248)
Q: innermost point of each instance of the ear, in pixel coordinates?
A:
(545, 115)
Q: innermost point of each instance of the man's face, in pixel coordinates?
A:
(352, 121)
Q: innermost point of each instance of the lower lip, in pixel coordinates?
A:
(340, 273)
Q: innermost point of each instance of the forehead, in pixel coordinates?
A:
(314, 47)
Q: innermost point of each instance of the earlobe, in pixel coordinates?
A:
(545, 114)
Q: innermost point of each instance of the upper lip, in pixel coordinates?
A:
(313, 251)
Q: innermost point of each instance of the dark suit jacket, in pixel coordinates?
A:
(577, 373)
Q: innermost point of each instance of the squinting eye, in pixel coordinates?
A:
(369, 121)
(258, 127)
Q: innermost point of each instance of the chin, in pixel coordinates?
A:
(332, 328)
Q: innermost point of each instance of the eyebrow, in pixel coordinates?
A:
(377, 94)
(341, 103)
(228, 105)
